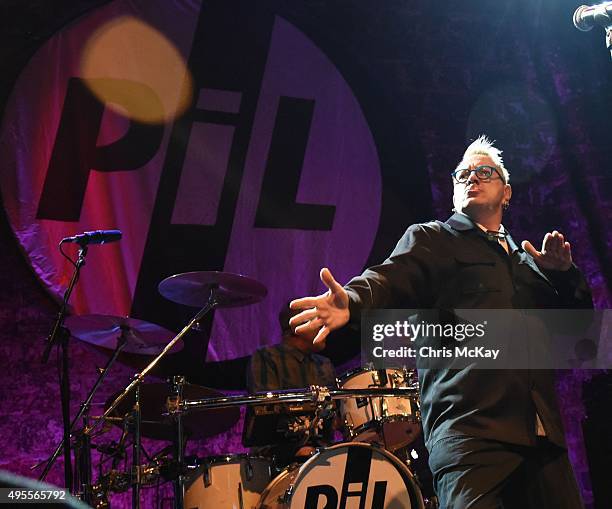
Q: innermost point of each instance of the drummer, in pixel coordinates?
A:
(293, 363)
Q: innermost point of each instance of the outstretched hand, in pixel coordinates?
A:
(325, 313)
(556, 254)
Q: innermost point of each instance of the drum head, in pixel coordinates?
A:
(342, 475)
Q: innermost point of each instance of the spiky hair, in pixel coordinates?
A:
(484, 146)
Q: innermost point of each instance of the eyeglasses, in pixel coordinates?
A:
(484, 173)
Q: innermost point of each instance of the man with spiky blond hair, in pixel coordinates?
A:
(495, 436)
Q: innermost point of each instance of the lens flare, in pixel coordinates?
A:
(127, 55)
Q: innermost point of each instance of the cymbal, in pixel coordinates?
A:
(193, 289)
(196, 425)
(143, 338)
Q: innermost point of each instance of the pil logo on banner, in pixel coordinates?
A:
(266, 145)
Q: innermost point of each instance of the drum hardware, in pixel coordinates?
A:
(384, 408)
(380, 378)
(154, 405)
(162, 468)
(84, 467)
(208, 290)
(270, 423)
(114, 481)
(249, 470)
(292, 396)
(159, 468)
(111, 449)
(136, 444)
(177, 384)
(245, 470)
(302, 425)
(324, 410)
(286, 497)
(136, 411)
(312, 395)
(348, 425)
(156, 422)
(82, 460)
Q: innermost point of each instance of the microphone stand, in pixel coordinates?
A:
(60, 335)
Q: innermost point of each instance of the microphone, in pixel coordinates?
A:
(587, 16)
(95, 237)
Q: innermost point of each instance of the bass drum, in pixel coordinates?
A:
(234, 481)
(345, 475)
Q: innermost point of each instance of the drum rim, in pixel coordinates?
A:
(352, 372)
(355, 371)
(379, 421)
(278, 477)
(223, 459)
(414, 418)
(362, 428)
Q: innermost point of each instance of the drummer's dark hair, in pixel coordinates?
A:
(284, 316)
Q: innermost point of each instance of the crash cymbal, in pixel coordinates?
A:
(154, 424)
(103, 331)
(193, 289)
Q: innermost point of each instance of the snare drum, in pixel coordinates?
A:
(392, 421)
(345, 475)
(233, 481)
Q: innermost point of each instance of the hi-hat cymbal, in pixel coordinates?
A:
(197, 425)
(104, 331)
(193, 289)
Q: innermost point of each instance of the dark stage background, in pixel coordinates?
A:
(311, 134)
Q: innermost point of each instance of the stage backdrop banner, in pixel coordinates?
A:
(215, 138)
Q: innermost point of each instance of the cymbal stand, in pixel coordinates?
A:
(118, 454)
(176, 390)
(137, 471)
(135, 384)
(83, 410)
(82, 464)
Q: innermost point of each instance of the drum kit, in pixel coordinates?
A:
(376, 411)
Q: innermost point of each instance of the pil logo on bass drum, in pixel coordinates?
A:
(349, 475)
